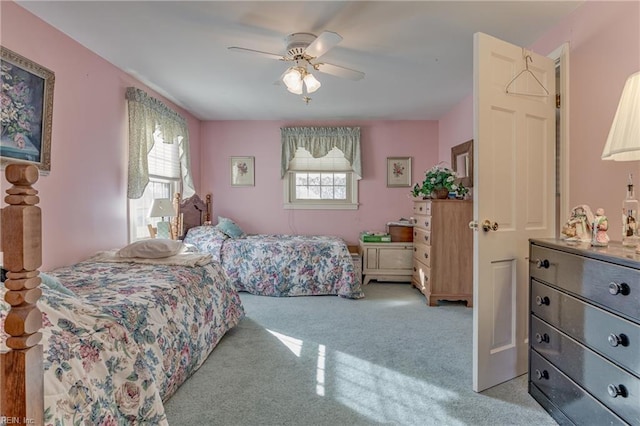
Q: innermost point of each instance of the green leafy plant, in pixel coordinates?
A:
(436, 178)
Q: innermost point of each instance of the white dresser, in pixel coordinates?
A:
(443, 250)
(584, 335)
(386, 261)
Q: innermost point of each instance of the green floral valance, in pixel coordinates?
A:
(319, 141)
(147, 116)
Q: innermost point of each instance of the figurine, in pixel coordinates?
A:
(578, 226)
(600, 227)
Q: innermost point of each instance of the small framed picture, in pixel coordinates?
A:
(242, 171)
(398, 171)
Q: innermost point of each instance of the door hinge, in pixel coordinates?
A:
(558, 100)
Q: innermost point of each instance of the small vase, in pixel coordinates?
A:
(440, 193)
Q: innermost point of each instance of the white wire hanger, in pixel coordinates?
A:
(527, 59)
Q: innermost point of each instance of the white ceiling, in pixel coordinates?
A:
(417, 56)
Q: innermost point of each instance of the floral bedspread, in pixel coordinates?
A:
(281, 265)
(128, 337)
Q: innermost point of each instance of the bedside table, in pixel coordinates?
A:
(387, 261)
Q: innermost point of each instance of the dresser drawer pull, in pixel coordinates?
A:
(615, 391)
(622, 288)
(415, 249)
(542, 263)
(426, 238)
(426, 224)
(542, 338)
(542, 300)
(618, 339)
(426, 256)
(544, 374)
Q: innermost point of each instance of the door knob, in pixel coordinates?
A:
(488, 226)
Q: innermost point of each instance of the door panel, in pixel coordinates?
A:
(514, 177)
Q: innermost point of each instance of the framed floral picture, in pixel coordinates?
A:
(398, 171)
(242, 171)
(27, 111)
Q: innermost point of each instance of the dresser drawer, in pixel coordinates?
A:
(423, 222)
(422, 208)
(589, 370)
(612, 336)
(421, 276)
(422, 253)
(613, 286)
(421, 236)
(574, 402)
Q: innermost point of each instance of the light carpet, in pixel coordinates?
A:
(324, 360)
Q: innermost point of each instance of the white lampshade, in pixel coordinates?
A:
(162, 207)
(311, 83)
(623, 143)
(293, 80)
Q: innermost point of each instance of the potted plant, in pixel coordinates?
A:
(438, 182)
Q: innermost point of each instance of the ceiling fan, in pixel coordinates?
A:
(304, 49)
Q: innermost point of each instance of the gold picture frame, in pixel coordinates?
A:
(462, 162)
(398, 172)
(27, 111)
(242, 171)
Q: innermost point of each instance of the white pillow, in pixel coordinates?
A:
(152, 248)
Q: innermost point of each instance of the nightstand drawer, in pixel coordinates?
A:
(421, 236)
(422, 208)
(422, 253)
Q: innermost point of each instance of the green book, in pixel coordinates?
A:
(375, 238)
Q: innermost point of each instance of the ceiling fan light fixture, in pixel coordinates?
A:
(293, 80)
(311, 83)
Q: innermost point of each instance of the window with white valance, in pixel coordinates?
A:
(159, 163)
(321, 167)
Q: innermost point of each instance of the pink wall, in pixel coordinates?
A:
(259, 209)
(604, 42)
(83, 199)
(455, 127)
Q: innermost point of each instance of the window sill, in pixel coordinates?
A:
(320, 206)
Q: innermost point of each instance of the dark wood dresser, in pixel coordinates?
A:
(584, 332)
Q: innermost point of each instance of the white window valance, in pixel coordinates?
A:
(319, 141)
(147, 117)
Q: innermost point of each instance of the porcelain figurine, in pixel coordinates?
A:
(578, 227)
(600, 227)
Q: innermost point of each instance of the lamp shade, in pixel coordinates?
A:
(311, 83)
(293, 80)
(623, 143)
(162, 207)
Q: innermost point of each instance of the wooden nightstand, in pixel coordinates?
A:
(387, 261)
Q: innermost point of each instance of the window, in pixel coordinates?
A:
(320, 183)
(164, 182)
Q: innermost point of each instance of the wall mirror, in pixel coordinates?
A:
(462, 162)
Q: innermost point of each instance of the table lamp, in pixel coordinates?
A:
(623, 144)
(162, 207)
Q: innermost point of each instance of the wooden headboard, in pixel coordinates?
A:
(21, 372)
(192, 212)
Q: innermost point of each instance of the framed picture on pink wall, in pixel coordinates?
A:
(242, 171)
(27, 111)
(398, 171)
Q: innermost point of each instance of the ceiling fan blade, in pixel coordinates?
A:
(259, 52)
(339, 71)
(322, 44)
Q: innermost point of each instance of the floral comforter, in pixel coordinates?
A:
(125, 337)
(281, 265)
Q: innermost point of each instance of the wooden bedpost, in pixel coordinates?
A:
(207, 215)
(176, 221)
(21, 372)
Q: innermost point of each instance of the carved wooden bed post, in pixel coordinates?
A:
(21, 373)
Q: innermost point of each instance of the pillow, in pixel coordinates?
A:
(151, 248)
(54, 284)
(229, 227)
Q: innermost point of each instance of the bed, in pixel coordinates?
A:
(105, 341)
(280, 265)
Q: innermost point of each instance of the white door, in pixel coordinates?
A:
(514, 184)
